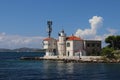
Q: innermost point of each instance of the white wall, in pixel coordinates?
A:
(50, 44)
(45, 46)
(75, 47)
(62, 45)
(69, 50)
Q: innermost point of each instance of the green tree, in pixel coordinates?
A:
(118, 42)
(113, 42)
(110, 40)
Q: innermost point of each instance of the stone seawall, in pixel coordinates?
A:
(83, 59)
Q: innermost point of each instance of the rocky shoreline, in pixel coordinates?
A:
(73, 60)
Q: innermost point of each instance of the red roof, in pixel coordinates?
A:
(47, 39)
(73, 38)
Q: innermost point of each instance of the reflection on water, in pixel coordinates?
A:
(58, 70)
(82, 71)
(70, 68)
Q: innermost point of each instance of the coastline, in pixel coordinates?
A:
(105, 60)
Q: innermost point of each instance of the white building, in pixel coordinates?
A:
(64, 46)
(50, 44)
(74, 46)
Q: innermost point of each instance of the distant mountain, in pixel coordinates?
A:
(5, 50)
(24, 49)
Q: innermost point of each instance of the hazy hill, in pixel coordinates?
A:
(22, 50)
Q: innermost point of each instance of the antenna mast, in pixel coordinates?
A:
(49, 30)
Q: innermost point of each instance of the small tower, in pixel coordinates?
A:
(62, 44)
(49, 29)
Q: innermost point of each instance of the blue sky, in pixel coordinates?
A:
(23, 22)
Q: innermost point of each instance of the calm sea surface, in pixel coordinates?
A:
(12, 68)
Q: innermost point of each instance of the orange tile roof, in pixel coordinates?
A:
(47, 39)
(73, 38)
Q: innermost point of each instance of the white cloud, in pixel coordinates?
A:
(16, 41)
(95, 23)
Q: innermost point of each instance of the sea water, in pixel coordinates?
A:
(12, 68)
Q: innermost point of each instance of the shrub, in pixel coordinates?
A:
(107, 52)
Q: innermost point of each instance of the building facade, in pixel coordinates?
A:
(50, 45)
(70, 46)
(92, 47)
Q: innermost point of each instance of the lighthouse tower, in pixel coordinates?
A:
(62, 44)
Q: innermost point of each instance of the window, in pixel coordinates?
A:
(88, 45)
(93, 45)
(68, 44)
(48, 44)
(98, 45)
(45, 43)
